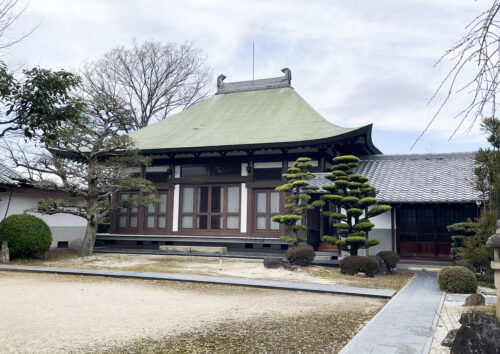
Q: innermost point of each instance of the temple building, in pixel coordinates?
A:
(217, 163)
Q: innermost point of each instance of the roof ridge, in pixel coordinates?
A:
(417, 156)
(254, 85)
(8, 175)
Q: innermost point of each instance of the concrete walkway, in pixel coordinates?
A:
(270, 284)
(406, 324)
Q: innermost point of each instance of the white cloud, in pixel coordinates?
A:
(343, 55)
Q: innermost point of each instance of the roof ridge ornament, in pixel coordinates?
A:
(220, 80)
(288, 75)
(254, 85)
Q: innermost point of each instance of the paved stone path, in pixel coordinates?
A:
(271, 284)
(406, 324)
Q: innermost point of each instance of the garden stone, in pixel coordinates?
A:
(479, 333)
(4, 252)
(360, 275)
(475, 300)
(273, 263)
(450, 337)
(382, 267)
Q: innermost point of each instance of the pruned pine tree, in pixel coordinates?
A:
(459, 231)
(298, 200)
(89, 159)
(354, 200)
(487, 169)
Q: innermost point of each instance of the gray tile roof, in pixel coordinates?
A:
(8, 176)
(425, 178)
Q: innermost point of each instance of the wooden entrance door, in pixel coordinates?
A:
(421, 229)
(416, 232)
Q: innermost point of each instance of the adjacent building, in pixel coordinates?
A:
(427, 192)
(17, 196)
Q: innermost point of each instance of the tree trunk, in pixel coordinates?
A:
(89, 240)
(92, 195)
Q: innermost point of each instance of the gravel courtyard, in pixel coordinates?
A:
(54, 313)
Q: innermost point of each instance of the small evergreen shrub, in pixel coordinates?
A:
(457, 279)
(27, 235)
(390, 258)
(300, 255)
(355, 264)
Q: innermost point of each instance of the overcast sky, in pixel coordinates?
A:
(356, 62)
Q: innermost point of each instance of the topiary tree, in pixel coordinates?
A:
(27, 235)
(459, 231)
(298, 200)
(355, 203)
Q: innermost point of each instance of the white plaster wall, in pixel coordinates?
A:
(382, 221)
(243, 208)
(175, 220)
(268, 164)
(381, 232)
(64, 227)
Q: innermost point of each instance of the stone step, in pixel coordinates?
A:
(323, 258)
(190, 249)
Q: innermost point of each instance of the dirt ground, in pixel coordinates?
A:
(224, 267)
(61, 314)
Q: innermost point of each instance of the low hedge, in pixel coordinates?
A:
(27, 235)
(457, 279)
(300, 255)
(356, 264)
(390, 258)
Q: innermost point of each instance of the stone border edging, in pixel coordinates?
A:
(435, 322)
(267, 284)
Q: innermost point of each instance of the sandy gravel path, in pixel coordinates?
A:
(53, 313)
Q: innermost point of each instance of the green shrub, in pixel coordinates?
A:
(390, 258)
(457, 279)
(355, 264)
(300, 255)
(27, 235)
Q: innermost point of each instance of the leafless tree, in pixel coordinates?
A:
(479, 51)
(10, 12)
(151, 78)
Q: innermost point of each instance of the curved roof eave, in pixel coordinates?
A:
(362, 131)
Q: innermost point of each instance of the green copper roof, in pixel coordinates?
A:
(241, 118)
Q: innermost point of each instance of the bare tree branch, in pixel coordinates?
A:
(152, 79)
(478, 50)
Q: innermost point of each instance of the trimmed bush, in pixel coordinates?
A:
(457, 279)
(355, 264)
(300, 255)
(27, 235)
(390, 258)
(381, 266)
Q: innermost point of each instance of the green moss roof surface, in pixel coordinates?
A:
(242, 118)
